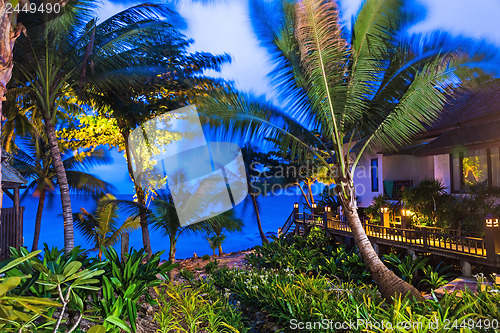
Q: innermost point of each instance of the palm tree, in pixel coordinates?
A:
(35, 162)
(251, 157)
(219, 225)
(165, 219)
(102, 227)
(215, 242)
(371, 88)
(62, 52)
(161, 76)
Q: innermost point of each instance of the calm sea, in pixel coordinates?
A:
(273, 210)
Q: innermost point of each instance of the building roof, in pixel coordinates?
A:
(9, 173)
(471, 121)
(469, 109)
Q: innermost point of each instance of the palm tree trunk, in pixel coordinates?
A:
(389, 284)
(62, 181)
(8, 36)
(139, 191)
(259, 224)
(220, 250)
(8, 137)
(124, 245)
(38, 221)
(171, 258)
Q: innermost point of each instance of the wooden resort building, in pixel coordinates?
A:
(11, 218)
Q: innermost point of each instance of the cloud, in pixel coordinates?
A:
(225, 28)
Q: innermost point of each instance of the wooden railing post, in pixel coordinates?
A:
(424, 238)
(295, 211)
(492, 238)
(327, 215)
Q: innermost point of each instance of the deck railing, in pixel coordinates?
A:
(425, 238)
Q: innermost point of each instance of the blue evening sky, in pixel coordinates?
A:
(225, 27)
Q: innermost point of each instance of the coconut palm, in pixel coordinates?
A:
(35, 163)
(164, 218)
(371, 88)
(161, 76)
(215, 242)
(102, 227)
(61, 53)
(221, 224)
(251, 157)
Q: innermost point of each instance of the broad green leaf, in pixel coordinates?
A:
(118, 322)
(18, 261)
(72, 268)
(97, 329)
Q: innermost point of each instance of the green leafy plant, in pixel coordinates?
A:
(186, 274)
(315, 254)
(206, 257)
(136, 270)
(124, 283)
(211, 266)
(193, 309)
(101, 227)
(433, 278)
(71, 285)
(17, 312)
(407, 268)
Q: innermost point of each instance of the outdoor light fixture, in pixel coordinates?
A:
(328, 209)
(314, 206)
(406, 212)
(384, 210)
(491, 222)
(296, 205)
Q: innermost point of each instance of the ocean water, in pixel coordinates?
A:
(274, 210)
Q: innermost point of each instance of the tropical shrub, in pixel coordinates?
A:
(315, 254)
(406, 268)
(211, 266)
(186, 274)
(434, 207)
(433, 278)
(184, 308)
(136, 270)
(70, 278)
(18, 313)
(289, 298)
(373, 211)
(100, 291)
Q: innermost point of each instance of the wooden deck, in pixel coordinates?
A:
(434, 241)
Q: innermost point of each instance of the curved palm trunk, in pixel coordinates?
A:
(62, 181)
(389, 284)
(38, 221)
(139, 191)
(257, 215)
(220, 250)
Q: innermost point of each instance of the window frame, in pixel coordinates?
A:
(461, 156)
(374, 172)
